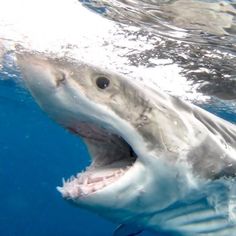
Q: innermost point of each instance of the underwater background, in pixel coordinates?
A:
(35, 153)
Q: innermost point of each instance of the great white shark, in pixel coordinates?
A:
(157, 163)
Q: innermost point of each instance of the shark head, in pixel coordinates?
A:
(139, 139)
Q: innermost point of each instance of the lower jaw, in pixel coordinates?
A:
(92, 180)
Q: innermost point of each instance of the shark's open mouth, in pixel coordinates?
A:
(111, 158)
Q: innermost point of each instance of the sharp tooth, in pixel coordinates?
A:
(71, 178)
(63, 191)
(85, 180)
(60, 189)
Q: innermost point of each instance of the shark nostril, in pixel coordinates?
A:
(60, 79)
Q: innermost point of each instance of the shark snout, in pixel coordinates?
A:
(38, 73)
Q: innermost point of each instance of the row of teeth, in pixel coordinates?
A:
(85, 184)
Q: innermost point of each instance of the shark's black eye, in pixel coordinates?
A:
(102, 82)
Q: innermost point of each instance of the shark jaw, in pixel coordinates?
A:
(116, 160)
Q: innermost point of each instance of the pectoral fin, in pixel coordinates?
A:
(127, 230)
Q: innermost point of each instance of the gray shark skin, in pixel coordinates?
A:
(157, 163)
